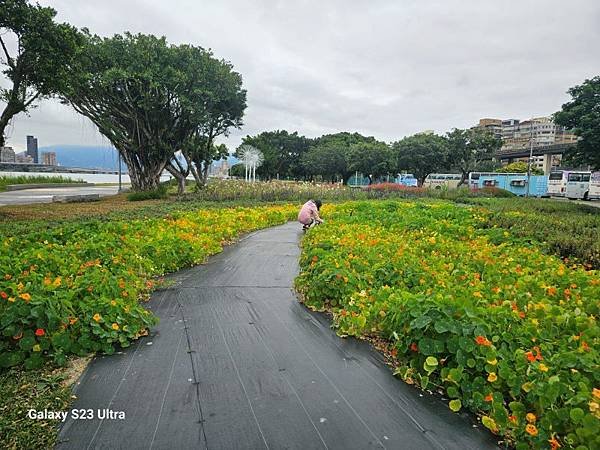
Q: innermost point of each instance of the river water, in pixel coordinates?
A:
(87, 177)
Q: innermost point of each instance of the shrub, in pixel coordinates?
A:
(160, 192)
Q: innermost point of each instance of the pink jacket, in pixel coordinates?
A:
(308, 212)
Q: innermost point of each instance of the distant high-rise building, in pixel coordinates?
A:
(32, 148)
(494, 126)
(538, 131)
(49, 158)
(7, 154)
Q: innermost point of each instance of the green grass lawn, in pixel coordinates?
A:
(6, 180)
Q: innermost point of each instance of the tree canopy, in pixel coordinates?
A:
(152, 99)
(469, 150)
(282, 152)
(37, 54)
(421, 154)
(582, 115)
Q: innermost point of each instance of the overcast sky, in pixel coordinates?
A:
(382, 68)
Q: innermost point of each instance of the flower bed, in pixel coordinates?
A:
(479, 314)
(75, 288)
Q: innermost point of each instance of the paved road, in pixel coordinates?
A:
(44, 195)
(237, 363)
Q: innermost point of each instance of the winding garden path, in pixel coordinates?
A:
(237, 362)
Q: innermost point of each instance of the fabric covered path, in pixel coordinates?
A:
(237, 362)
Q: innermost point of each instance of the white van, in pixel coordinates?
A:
(557, 183)
(578, 185)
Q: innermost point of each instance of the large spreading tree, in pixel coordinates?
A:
(582, 115)
(282, 152)
(36, 53)
(421, 155)
(372, 159)
(470, 150)
(152, 99)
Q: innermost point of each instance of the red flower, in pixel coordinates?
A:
(40, 332)
(530, 357)
(4, 295)
(489, 398)
(482, 340)
(414, 347)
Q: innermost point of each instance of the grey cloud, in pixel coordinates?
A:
(383, 68)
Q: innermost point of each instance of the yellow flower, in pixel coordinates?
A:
(115, 326)
(113, 303)
(25, 296)
(531, 417)
(543, 367)
(531, 429)
(477, 294)
(97, 317)
(57, 282)
(492, 377)
(596, 392)
(594, 406)
(37, 348)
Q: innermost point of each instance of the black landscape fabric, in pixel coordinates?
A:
(237, 362)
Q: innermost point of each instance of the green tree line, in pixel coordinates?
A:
(336, 157)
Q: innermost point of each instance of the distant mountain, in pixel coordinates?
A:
(92, 157)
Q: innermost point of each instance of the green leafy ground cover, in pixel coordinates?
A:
(477, 312)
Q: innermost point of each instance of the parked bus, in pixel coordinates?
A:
(557, 183)
(594, 192)
(439, 180)
(517, 183)
(578, 185)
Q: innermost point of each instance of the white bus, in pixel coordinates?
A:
(439, 180)
(594, 192)
(578, 185)
(557, 183)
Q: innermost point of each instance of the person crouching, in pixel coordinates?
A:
(309, 214)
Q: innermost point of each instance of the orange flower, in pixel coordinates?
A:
(72, 320)
(567, 292)
(482, 340)
(513, 419)
(551, 291)
(25, 296)
(554, 444)
(596, 392)
(530, 357)
(97, 317)
(531, 429)
(489, 398)
(585, 346)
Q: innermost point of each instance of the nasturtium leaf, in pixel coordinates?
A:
(455, 405)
